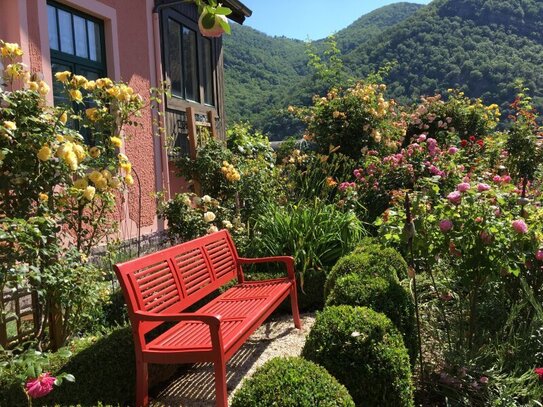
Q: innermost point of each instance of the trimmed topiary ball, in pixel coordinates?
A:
(381, 295)
(292, 382)
(367, 264)
(390, 256)
(365, 352)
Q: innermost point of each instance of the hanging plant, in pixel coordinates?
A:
(212, 21)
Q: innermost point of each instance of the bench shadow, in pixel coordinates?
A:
(195, 384)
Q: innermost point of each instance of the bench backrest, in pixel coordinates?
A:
(173, 279)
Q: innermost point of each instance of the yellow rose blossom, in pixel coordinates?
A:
(79, 152)
(79, 80)
(127, 166)
(10, 125)
(45, 153)
(116, 141)
(128, 179)
(101, 183)
(89, 193)
(103, 83)
(95, 176)
(122, 157)
(115, 183)
(59, 138)
(63, 76)
(43, 197)
(106, 174)
(10, 49)
(94, 152)
(43, 88)
(81, 183)
(71, 159)
(90, 85)
(64, 149)
(34, 86)
(14, 70)
(63, 118)
(91, 113)
(76, 95)
(114, 92)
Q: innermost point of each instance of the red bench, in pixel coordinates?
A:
(159, 286)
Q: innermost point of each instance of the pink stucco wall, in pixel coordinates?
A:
(130, 54)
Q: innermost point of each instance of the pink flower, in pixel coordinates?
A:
(483, 380)
(463, 187)
(421, 138)
(455, 197)
(506, 178)
(41, 386)
(486, 237)
(520, 226)
(539, 255)
(497, 179)
(445, 225)
(453, 150)
(483, 187)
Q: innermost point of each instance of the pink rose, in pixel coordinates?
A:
(483, 187)
(41, 386)
(445, 225)
(453, 150)
(421, 138)
(463, 187)
(539, 255)
(506, 178)
(520, 226)
(455, 197)
(497, 179)
(486, 237)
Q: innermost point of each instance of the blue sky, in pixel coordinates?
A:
(313, 19)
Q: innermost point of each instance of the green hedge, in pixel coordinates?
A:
(381, 295)
(291, 382)
(365, 352)
(391, 257)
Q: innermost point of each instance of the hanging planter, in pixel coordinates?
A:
(213, 22)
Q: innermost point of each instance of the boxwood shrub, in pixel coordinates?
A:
(364, 351)
(381, 295)
(391, 257)
(368, 264)
(292, 382)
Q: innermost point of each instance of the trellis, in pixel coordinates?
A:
(20, 322)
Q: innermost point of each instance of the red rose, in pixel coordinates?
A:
(539, 372)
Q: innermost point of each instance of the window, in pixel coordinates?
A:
(189, 61)
(77, 45)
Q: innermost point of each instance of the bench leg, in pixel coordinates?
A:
(294, 305)
(220, 384)
(142, 377)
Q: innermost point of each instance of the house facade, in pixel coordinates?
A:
(141, 42)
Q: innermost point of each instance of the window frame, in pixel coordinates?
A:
(176, 102)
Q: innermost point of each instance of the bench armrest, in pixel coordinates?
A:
(212, 320)
(288, 261)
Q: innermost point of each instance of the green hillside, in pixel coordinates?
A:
(479, 46)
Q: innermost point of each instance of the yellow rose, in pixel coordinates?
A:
(103, 83)
(79, 152)
(115, 183)
(114, 92)
(59, 138)
(127, 166)
(94, 152)
(10, 49)
(79, 80)
(64, 149)
(116, 141)
(10, 125)
(76, 95)
(91, 113)
(63, 76)
(106, 174)
(45, 153)
(43, 88)
(71, 159)
(14, 70)
(63, 118)
(95, 176)
(90, 85)
(128, 179)
(33, 86)
(81, 183)
(89, 193)
(43, 197)
(101, 183)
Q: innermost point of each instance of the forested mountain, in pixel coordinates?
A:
(479, 46)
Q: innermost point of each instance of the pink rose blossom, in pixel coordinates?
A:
(486, 237)
(539, 255)
(445, 225)
(497, 179)
(463, 187)
(478, 219)
(421, 138)
(483, 187)
(506, 178)
(41, 386)
(453, 150)
(520, 226)
(455, 197)
(483, 380)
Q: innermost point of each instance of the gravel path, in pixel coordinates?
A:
(196, 385)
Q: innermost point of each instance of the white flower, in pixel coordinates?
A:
(227, 224)
(209, 217)
(206, 199)
(212, 229)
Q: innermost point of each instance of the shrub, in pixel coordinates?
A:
(381, 295)
(291, 382)
(315, 234)
(393, 258)
(365, 352)
(370, 264)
